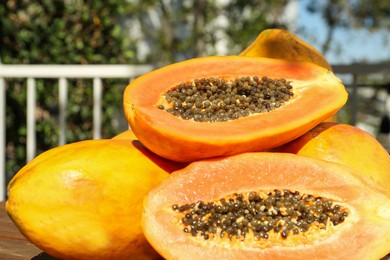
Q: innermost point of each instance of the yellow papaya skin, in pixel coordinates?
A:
(282, 44)
(84, 200)
(126, 135)
(348, 145)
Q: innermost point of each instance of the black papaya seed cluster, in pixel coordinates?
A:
(217, 100)
(281, 211)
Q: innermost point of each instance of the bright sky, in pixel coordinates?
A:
(355, 46)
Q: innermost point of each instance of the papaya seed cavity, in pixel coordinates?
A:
(259, 215)
(216, 99)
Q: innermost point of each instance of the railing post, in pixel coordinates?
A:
(354, 99)
(31, 109)
(3, 143)
(97, 108)
(62, 73)
(63, 103)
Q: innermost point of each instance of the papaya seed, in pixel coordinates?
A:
(228, 99)
(281, 211)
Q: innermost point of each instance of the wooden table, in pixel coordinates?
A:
(13, 245)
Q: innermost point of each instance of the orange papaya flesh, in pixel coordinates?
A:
(363, 234)
(318, 94)
(84, 200)
(282, 44)
(345, 144)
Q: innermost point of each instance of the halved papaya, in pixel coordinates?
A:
(345, 144)
(216, 106)
(84, 200)
(267, 206)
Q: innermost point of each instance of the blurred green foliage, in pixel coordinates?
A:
(194, 28)
(61, 32)
(64, 32)
(109, 32)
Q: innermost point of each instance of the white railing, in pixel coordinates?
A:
(357, 70)
(62, 73)
(99, 72)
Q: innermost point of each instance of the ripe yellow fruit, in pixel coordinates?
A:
(84, 200)
(126, 135)
(281, 44)
(348, 145)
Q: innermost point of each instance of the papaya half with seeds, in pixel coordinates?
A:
(84, 200)
(345, 144)
(267, 206)
(217, 106)
(282, 44)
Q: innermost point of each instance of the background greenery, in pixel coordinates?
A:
(111, 32)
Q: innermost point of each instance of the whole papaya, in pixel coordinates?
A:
(126, 135)
(84, 200)
(348, 145)
(282, 44)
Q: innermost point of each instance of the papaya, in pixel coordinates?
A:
(345, 144)
(282, 44)
(127, 135)
(84, 200)
(267, 206)
(218, 106)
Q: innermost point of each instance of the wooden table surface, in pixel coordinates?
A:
(13, 245)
